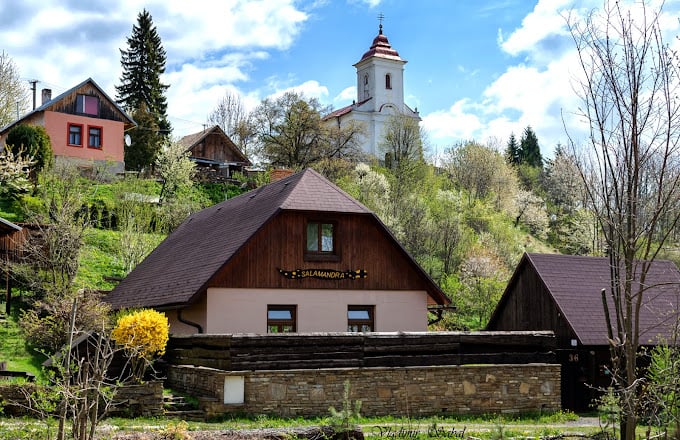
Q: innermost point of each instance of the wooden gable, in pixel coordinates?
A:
(527, 305)
(68, 103)
(213, 145)
(362, 245)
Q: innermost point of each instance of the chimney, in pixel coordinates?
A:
(278, 174)
(46, 95)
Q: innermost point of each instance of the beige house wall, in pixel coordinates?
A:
(245, 310)
(194, 313)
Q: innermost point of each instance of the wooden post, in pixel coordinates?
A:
(8, 289)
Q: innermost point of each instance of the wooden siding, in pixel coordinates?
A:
(361, 244)
(528, 306)
(12, 245)
(216, 147)
(107, 110)
(345, 350)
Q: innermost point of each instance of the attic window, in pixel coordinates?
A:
(88, 105)
(320, 238)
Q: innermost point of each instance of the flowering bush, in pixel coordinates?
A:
(143, 334)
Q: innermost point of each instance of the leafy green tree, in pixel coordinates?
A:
(293, 134)
(13, 95)
(512, 152)
(141, 88)
(482, 172)
(31, 141)
(175, 169)
(529, 150)
(402, 142)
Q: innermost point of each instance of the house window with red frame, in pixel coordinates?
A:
(94, 137)
(75, 135)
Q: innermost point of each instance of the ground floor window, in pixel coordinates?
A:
(281, 319)
(75, 135)
(360, 318)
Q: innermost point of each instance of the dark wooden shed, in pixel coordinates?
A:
(214, 153)
(562, 293)
(10, 237)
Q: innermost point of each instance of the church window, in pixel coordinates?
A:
(366, 94)
(388, 81)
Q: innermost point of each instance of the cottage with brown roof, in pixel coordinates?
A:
(562, 293)
(213, 150)
(297, 255)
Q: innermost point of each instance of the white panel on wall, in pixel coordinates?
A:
(234, 389)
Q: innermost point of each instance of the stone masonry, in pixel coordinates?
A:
(404, 391)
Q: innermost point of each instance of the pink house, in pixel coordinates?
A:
(84, 125)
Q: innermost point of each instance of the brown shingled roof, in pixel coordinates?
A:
(180, 267)
(575, 283)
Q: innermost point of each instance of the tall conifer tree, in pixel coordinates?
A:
(530, 152)
(141, 89)
(512, 152)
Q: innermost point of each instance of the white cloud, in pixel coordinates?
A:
(310, 89)
(347, 95)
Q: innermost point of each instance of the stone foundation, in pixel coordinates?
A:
(398, 391)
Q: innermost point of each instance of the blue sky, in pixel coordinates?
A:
(476, 69)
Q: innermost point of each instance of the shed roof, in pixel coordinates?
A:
(575, 283)
(190, 140)
(180, 267)
(7, 227)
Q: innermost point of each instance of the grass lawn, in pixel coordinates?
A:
(13, 349)
(491, 427)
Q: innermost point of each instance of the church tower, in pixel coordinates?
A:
(380, 93)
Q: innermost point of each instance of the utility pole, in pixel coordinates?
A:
(33, 82)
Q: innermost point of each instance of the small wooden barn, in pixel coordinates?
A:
(562, 293)
(214, 153)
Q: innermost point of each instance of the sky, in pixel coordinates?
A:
(476, 70)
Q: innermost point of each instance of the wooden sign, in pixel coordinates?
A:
(324, 274)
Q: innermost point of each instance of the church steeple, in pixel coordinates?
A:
(380, 75)
(381, 48)
(380, 93)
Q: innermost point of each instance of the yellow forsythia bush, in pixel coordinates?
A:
(143, 333)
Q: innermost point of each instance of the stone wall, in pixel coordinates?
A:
(405, 391)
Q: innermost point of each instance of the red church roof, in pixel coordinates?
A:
(381, 48)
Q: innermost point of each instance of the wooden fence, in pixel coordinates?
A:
(242, 352)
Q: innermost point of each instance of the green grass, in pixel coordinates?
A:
(98, 258)
(485, 427)
(13, 349)
(9, 210)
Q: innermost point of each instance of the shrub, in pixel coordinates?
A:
(143, 334)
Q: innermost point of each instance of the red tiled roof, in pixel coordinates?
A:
(179, 268)
(344, 110)
(576, 282)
